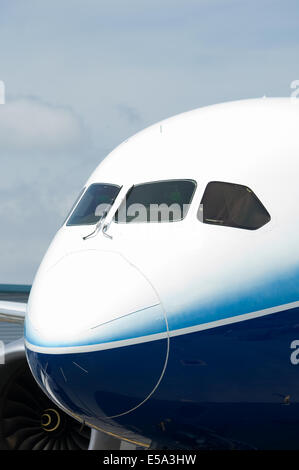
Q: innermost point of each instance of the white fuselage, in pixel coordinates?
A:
(137, 283)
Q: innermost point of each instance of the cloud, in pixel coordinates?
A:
(45, 156)
(30, 124)
(121, 66)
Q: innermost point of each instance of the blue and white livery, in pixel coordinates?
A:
(180, 332)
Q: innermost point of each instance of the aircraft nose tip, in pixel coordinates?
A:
(82, 299)
(96, 335)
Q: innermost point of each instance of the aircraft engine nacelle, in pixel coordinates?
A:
(29, 420)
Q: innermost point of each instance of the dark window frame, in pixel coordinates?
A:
(200, 214)
(155, 182)
(80, 198)
(74, 205)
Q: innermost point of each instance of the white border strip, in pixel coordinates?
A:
(155, 337)
(236, 319)
(95, 347)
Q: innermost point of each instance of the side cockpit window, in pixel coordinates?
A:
(160, 201)
(232, 205)
(74, 204)
(95, 202)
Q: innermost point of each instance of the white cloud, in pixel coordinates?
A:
(45, 157)
(122, 65)
(30, 124)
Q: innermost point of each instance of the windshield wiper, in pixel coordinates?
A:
(100, 227)
(97, 227)
(101, 219)
(106, 226)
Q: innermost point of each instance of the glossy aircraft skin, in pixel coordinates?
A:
(181, 333)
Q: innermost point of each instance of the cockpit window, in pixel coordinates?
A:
(232, 205)
(97, 200)
(160, 201)
(74, 204)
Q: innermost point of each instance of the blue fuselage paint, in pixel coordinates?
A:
(230, 386)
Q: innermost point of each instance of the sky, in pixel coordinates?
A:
(83, 75)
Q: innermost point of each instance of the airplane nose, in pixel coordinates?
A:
(96, 334)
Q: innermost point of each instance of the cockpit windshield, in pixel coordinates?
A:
(95, 203)
(159, 201)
